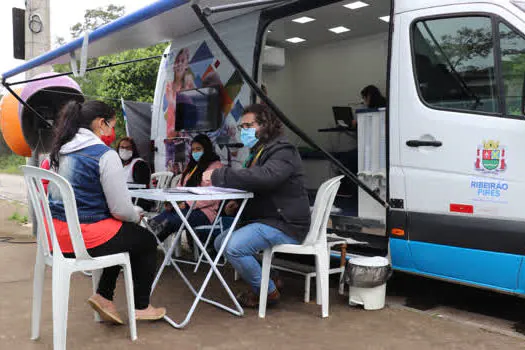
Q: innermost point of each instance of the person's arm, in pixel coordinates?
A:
(204, 183)
(279, 167)
(141, 173)
(115, 188)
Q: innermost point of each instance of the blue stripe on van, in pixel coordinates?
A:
(494, 270)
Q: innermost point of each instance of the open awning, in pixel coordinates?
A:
(161, 21)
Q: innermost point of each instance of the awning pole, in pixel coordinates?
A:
(87, 70)
(207, 11)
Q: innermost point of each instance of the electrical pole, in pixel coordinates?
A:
(37, 33)
(37, 42)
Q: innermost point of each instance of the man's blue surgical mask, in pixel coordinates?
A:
(248, 137)
(197, 155)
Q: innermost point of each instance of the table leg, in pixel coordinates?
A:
(209, 236)
(168, 254)
(213, 269)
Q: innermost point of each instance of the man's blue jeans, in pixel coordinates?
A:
(245, 243)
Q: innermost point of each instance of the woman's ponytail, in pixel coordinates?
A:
(65, 130)
(73, 116)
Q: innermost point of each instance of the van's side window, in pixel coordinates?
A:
(512, 47)
(454, 63)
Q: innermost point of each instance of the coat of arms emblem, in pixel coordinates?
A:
(490, 157)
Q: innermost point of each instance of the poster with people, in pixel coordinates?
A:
(197, 70)
(195, 62)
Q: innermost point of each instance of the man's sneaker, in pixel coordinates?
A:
(251, 300)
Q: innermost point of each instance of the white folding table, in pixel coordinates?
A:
(134, 186)
(174, 198)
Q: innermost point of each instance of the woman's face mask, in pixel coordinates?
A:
(108, 139)
(197, 150)
(125, 154)
(197, 155)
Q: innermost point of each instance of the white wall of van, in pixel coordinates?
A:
(316, 78)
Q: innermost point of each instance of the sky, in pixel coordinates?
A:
(63, 16)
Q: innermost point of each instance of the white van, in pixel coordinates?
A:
(445, 148)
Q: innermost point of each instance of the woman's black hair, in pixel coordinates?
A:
(73, 116)
(134, 149)
(376, 99)
(209, 156)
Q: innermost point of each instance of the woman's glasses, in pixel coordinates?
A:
(107, 123)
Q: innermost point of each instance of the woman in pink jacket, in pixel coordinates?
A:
(203, 158)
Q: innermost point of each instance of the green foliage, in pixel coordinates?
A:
(93, 18)
(466, 44)
(97, 17)
(10, 163)
(21, 219)
(134, 81)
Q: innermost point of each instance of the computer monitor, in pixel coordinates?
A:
(343, 114)
(198, 110)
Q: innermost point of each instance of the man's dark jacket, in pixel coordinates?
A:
(277, 181)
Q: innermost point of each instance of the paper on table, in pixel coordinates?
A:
(203, 190)
(177, 190)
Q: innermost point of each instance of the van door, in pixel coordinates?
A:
(460, 133)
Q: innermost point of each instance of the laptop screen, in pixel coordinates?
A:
(343, 114)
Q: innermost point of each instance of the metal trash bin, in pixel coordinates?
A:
(367, 277)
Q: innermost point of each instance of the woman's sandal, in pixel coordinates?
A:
(150, 314)
(107, 315)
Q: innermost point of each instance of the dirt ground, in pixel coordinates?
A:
(290, 325)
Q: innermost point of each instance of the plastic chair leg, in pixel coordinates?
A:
(95, 279)
(167, 244)
(38, 291)
(322, 268)
(342, 265)
(128, 282)
(265, 280)
(317, 284)
(307, 283)
(196, 252)
(342, 282)
(177, 248)
(61, 281)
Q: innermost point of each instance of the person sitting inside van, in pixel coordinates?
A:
(279, 212)
(203, 158)
(108, 220)
(372, 98)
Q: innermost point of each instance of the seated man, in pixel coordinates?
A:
(279, 213)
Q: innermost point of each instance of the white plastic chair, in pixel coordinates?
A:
(314, 244)
(163, 179)
(62, 267)
(175, 181)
